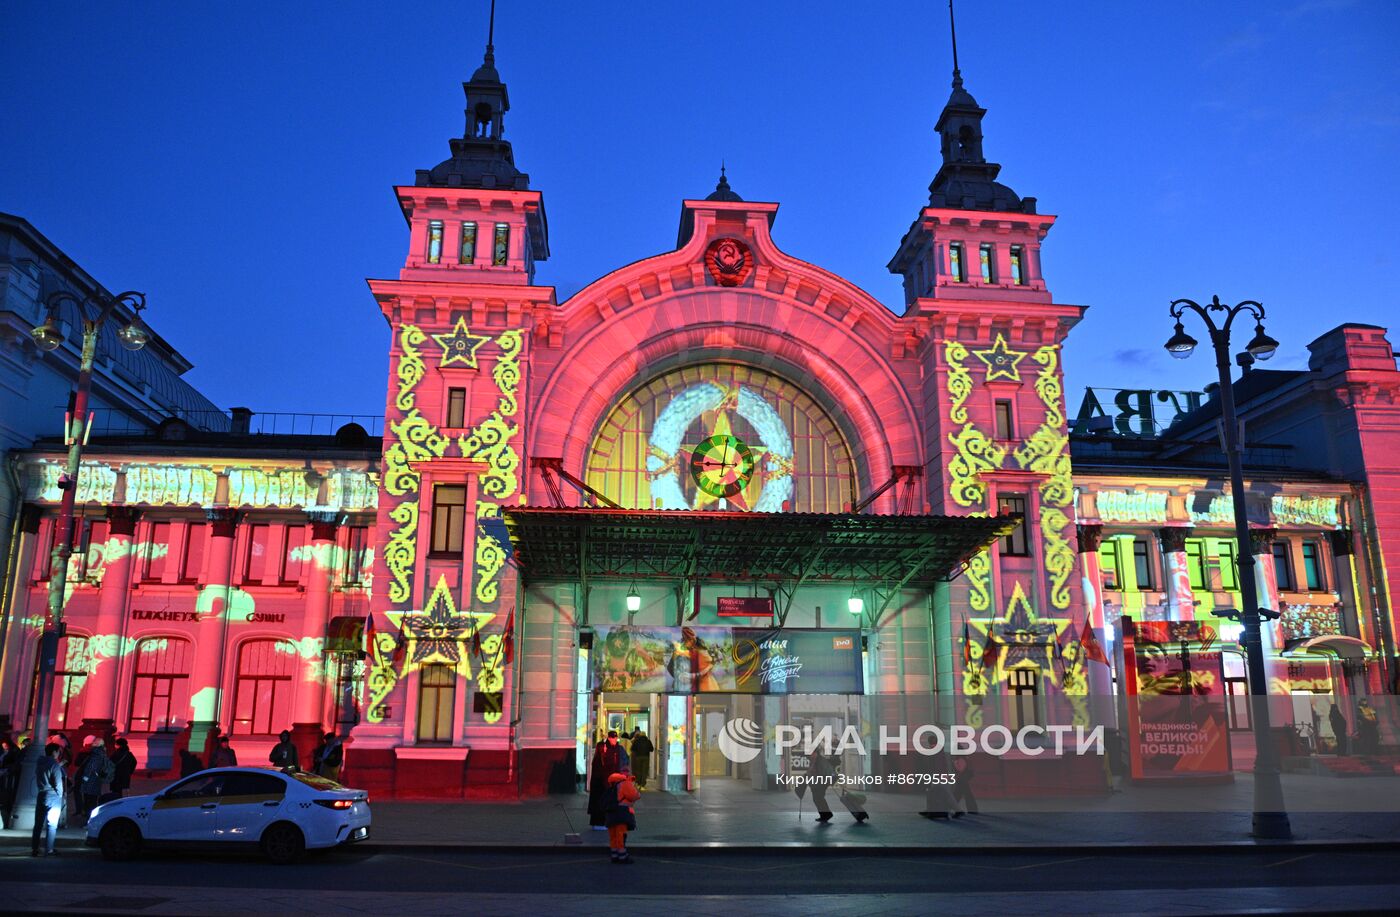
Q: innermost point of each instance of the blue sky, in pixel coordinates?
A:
(236, 161)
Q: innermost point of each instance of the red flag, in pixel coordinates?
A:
(1090, 644)
(369, 637)
(967, 645)
(508, 639)
(990, 651)
(400, 649)
(476, 643)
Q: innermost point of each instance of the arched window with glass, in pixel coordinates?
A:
(160, 689)
(262, 703)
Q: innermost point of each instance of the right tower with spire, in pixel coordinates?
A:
(995, 429)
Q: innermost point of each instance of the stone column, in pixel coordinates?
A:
(1181, 601)
(1090, 539)
(1342, 551)
(102, 685)
(1261, 545)
(206, 678)
(309, 718)
(17, 666)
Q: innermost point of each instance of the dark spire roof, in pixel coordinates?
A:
(966, 181)
(481, 158)
(722, 190)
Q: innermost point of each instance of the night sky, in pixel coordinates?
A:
(236, 161)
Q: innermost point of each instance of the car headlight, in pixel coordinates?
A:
(96, 812)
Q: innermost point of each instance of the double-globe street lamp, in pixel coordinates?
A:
(49, 337)
(1270, 817)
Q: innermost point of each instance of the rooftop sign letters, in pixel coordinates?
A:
(1132, 412)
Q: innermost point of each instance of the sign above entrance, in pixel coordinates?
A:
(744, 606)
(723, 660)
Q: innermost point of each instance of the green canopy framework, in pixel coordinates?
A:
(782, 550)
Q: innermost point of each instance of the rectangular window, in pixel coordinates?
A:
(434, 241)
(192, 563)
(456, 408)
(153, 565)
(88, 553)
(1196, 563)
(500, 249)
(1005, 429)
(1018, 270)
(955, 263)
(294, 555)
(1283, 569)
(1142, 565)
(255, 558)
(449, 518)
(436, 697)
(987, 255)
(1108, 565)
(466, 252)
(355, 554)
(1228, 572)
(1312, 567)
(1024, 688)
(1014, 544)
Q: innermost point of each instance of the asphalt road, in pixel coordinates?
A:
(675, 873)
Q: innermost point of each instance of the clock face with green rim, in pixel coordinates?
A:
(722, 465)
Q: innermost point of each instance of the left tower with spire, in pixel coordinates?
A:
(438, 666)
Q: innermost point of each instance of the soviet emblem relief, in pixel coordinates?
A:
(729, 262)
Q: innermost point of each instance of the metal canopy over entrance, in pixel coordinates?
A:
(572, 545)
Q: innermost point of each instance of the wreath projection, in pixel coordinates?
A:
(722, 437)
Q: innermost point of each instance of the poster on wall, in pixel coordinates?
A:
(708, 660)
(1177, 725)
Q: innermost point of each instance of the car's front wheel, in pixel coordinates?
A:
(283, 843)
(120, 840)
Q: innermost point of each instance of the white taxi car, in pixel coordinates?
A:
(285, 813)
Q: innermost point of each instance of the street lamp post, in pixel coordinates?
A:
(1270, 817)
(48, 337)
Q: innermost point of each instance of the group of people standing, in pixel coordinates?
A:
(95, 776)
(1368, 729)
(619, 771)
(326, 760)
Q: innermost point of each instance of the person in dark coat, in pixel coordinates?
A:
(607, 760)
(223, 755)
(1338, 720)
(125, 763)
(95, 771)
(330, 754)
(9, 781)
(284, 753)
(1368, 728)
(641, 756)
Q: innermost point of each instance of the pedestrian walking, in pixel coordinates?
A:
(607, 760)
(623, 794)
(284, 753)
(223, 754)
(330, 754)
(95, 772)
(1338, 721)
(1368, 728)
(124, 761)
(9, 781)
(820, 776)
(49, 800)
(641, 757)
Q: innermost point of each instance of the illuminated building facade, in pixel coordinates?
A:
(564, 528)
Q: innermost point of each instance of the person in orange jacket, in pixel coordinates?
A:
(622, 794)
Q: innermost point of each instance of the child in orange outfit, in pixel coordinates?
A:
(623, 792)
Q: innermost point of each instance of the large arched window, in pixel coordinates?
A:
(160, 691)
(262, 702)
(722, 437)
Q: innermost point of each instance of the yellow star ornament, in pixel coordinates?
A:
(461, 345)
(1002, 362)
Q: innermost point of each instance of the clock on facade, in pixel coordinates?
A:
(722, 465)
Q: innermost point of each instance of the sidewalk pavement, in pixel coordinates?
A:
(729, 814)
